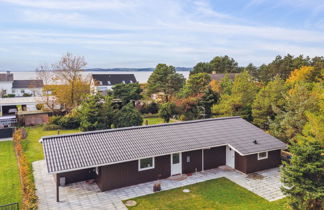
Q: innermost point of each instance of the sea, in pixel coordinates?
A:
(141, 76)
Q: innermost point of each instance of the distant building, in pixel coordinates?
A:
(220, 76)
(101, 83)
(19, 88)
(11, 106)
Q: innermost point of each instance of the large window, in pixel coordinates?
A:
(262, 155)
(145, 164)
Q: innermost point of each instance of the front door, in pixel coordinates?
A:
(230, 157)
(176, 166)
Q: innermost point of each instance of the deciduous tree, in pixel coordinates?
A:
(75, 87)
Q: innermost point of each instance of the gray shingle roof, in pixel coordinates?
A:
(90, 149)
(27, 84)
(220, 76)
(6, 77)
(114, 79)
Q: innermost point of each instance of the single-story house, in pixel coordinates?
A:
(122, 157)
(103, 82)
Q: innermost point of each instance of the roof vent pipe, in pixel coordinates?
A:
(255, 142)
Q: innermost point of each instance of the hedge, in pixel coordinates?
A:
(29, 200)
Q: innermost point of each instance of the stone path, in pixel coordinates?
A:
(88, 196)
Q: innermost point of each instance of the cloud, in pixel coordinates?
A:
(178, 32)
(74, 4)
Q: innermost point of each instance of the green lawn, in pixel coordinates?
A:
(214, 194)
(32, 148)
(10, 190)
(154, 120)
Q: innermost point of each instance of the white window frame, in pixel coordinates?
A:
(262, 158)
(147, 168)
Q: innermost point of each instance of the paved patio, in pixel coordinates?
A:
(88, 196)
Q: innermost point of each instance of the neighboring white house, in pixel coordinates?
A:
(30, 87)
(6, 81)
(101, 83)
(19, 87)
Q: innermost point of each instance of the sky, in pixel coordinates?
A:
(143, 33)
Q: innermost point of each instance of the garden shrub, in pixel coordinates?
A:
(66, 122)
(9, 96)
(27, 95)
(55, 120)
(148, 108)
(39, 106)
(28, 186)
(69, 122)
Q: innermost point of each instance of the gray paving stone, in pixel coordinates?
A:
(88, 196)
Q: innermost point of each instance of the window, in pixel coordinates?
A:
(130, 81)
(262, 155)
(124, 81)
(175, 158)
(109, 83)
(22, 91)
(145, 164)
(97, 170)
(188, 159)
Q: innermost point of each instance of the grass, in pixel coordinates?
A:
(32, 148)
(10, 190)
(155, 120)
(214, 194)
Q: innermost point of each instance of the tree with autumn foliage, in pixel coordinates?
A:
(239, 100)
(65, 83)
(68, 71)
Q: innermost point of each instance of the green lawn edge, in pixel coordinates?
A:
(218, 193)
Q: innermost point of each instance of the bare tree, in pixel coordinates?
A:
(68, 70)
(45, 73)
(65, 81)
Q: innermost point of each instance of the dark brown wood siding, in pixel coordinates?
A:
(250, 163)
(214, 157)
(126, 174)
(78, 176)
(195, 161)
